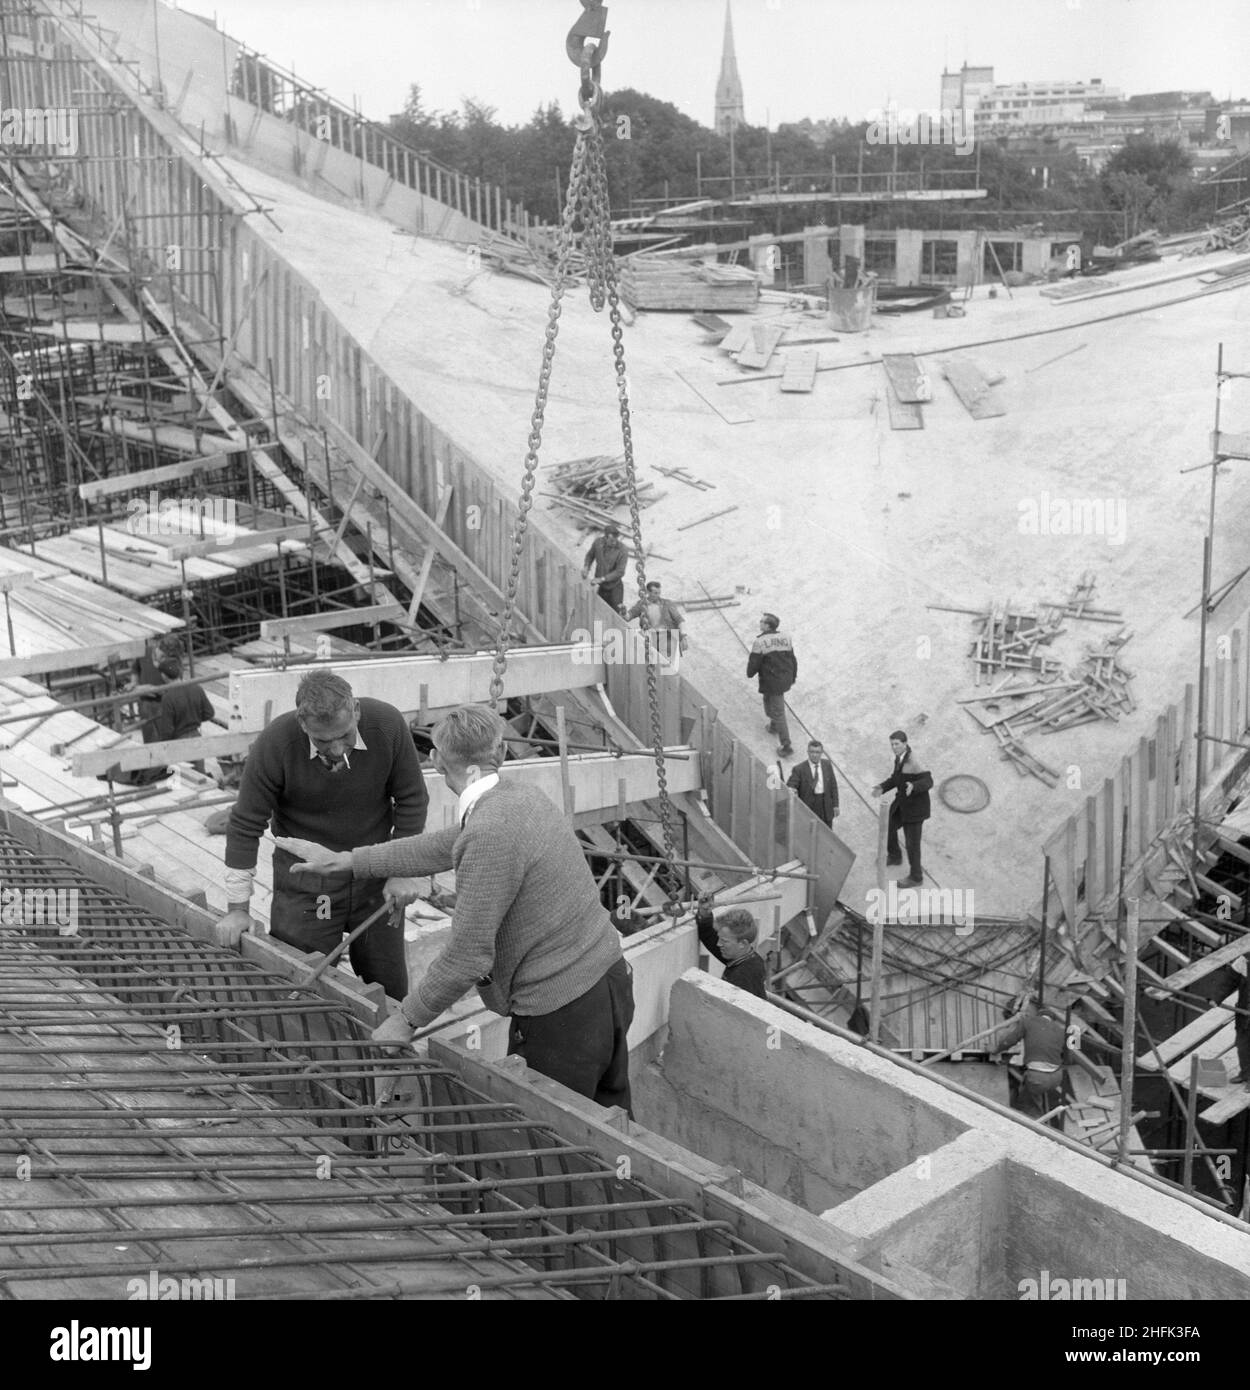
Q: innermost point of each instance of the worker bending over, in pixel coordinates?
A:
(1046, 1054)
(528, 928)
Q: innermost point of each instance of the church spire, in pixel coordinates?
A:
(729, 88)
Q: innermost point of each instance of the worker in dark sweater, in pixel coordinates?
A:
(343, 773)
(1046, 1055)
(731, 939)
(168, 714)
(528, 928)
(180, 711)
(608, 557)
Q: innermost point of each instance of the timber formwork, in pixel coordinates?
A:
(166, 1096)
(261, 333)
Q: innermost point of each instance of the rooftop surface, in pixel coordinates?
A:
(846, 528)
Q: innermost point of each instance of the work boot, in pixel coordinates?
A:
(785, 751)
(911, 883)
(893, 860)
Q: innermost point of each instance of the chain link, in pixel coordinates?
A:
(587, 196)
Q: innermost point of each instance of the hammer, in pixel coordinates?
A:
(338, 950)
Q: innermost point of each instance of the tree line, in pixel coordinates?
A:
(654, 152)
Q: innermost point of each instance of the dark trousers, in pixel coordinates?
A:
(1243, 1047)
(583, 1045)
(775, 709)
(317, 920)
(613, 594)
(911, 837)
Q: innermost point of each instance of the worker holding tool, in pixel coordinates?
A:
(772, 659)
(344, 773)
(910, 808)
(176, 713)
(608, 557)
(528, 927)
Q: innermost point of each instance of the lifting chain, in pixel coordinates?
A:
(587, 201)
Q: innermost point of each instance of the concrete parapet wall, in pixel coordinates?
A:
(946, 1213)
(811, 1115)
(747, 1084)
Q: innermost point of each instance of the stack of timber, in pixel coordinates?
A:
(1011, 641)
(1052, 698)
(654, 283)
(599, 480)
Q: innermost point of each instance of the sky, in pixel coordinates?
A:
(797, 58)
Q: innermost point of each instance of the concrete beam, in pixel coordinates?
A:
(418, 684)
(277, 628)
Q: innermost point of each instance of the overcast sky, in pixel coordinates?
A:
(797, 58)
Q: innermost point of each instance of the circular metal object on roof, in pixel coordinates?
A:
(964, 793)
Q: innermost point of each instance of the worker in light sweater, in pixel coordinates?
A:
(528, 927)
(343, 772)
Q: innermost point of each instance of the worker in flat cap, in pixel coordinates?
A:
(608, 558)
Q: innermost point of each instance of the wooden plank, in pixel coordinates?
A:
(1188, 1037)
(323, 622)
(902, 415)
(800, 372)
(296, 536)
(760, 346)
(979, 398)
(1218, 959)
(171, 436)
(1224, 1110)
(1198, 930)
(15, 579)
(737, 337)
(130, 482)
(29, 265)
(908, 378)
(80, 658)
(1218, 1045)
(89, 330)
(730, 413)
(131, 756)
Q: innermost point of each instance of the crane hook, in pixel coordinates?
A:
(591, 25)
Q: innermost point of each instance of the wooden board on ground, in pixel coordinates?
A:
(908, 378)
(760, 346)
(979, 397)
(903, 416)
(706, 392)
(736, 339)
(1217, 960)
(713, 323)
(800, 373)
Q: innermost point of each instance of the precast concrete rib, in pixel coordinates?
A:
(174, 1111)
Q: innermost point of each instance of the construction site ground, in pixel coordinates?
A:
(844, 527)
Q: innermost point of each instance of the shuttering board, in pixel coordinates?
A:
(736, 339)
(1198, 1030)
(903, 416)
(979, 397)
(908, 378)
(800, 372)
(760, 346)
